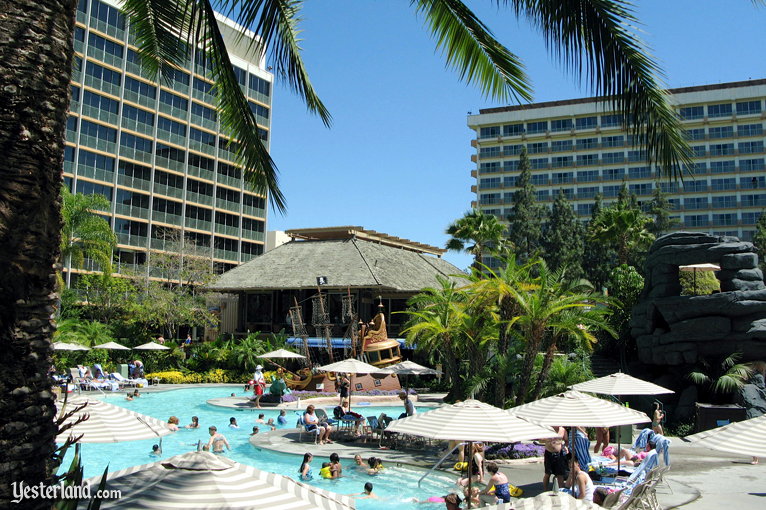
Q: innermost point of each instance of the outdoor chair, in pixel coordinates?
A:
(321, 414)
(303, 428)
(123, 381)
(384, 435)
(373, 427)
(612, 499)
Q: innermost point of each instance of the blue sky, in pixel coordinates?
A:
(397, 158)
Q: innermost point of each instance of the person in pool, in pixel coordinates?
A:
(375, 466)
(335, 468)
(217, 441)
(282, 418)
(233, 423)
(194, 423)
(326, 471)
(367, 494)
(173, 423)
(156, 451)
(358, 463)
(255, 430)
(305, 469)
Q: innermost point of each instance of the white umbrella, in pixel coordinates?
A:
(411, 368)
(743, 437)
(575, 409)
(283, 354)
(64, 346)
(620, 384)
(113, 346)
(107, 423)
(151, 346)
(198, 480)
(470, 421)
(699, 267)
(548, 501)
(353, 366)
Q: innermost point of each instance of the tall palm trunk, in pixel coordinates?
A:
(451, 368)
(507, 312)
(35, 67)
(533, 338)
(547, 362)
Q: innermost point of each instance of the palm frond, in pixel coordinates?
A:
(597, 41)
(275, 23)
(471, 49)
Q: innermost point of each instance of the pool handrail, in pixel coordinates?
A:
(436, 466)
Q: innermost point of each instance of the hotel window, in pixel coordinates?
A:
(752, 182)
(134, 174)
(723, 184)
(641, 189)
(587, 192)
(489, 168)
(750, 147)
(587, 176)
(252, 225)
(637, 156)
(587, 159)
(136, 143)
(613, 141)
(695, 134)
(669, 187)
(698, 168)
(562, 177)
(584, 209)
(562, 161)
(510, 181)
(640, 172)
(724, 202)
(100, 102)
(140, 88)
(751, 165)
(199, 187)
(261, 112)
(721, 149)
(107, 14)
(91, 188)
(568, 193)
(612, 158)
(537, 127)
(136, 116)
(103, 74)
(750, 218)
(513, 129)
(132, 199)
(512, 150)
(202, 139)
(110, 51)
(748, 107)
(259, 85)
(696, 220)
(675, 204)
(750, 130)
(172, 127)
(98, 131)
(204, 112)
(489, 132)
(173, 100)
(561, 125)
(540, 179)
(94, 161)
(611, 191)
(611, 121)
(489, 198)
(537, 148)
(721, 132)
(490, 183)
(561, 145)
(543, 195)
(613, 174)
(488, 152)
(692, 112)
(508, 197)
(725, 219)
(722, 167)
(699, 151)
(587, 143)
(754, 200)
(695, 186)
(511, 166)
(170, 157)
(539, 163)
(719, 110)
(586, 123)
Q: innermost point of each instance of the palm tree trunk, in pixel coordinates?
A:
(35, 68)
(547, 362)
(533, 338)
(450, 371)
(506, 314)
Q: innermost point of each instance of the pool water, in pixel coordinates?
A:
(396, 485)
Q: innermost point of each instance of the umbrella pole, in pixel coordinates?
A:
(470, 471)
(350, 386)
(619, 449)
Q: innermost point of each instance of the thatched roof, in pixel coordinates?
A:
(350, 262)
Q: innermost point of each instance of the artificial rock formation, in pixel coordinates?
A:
(671, 329)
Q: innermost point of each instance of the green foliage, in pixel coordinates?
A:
(527, 215)
(85, 233)
(721, 376)
(108, 297)
(598, 257)
(215, 375)
(698, 283)
(563, 238)
(563, 373)
(659, 211)
(625, 285)
(759, 239)
(83, 332)
(484, 231)
(624, 226)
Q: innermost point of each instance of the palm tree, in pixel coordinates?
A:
(721, 376)
(594, 39)
(623, 227)
(85, 233)
(483, 230)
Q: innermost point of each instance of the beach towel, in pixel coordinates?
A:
(582, 449)
(643, 438)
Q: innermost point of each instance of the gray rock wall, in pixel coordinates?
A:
(671, 329)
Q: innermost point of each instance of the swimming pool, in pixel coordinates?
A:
(396, 486)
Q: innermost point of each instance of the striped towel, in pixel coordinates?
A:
(582, 449)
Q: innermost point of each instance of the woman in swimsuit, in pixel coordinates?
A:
(502, 491)
(305, 470)
(657, 418)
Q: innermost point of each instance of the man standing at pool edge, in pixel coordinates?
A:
(259, 384)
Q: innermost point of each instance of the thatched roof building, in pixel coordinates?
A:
(349, 259)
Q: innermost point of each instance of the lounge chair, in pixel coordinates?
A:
(612, 499)
(321, 414)
(303, 427)
(122, 380)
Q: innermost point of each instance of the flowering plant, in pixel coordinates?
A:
(513, 451)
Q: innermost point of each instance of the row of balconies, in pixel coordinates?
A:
(702, 189)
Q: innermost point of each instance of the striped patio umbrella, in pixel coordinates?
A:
(352, 366)
(743, 437)
(107, 423)
(411, 368)
(113, 346)
(197, 480)
(151, 346)
(65, 346)
(620, 384)
(548, 501)
(470, 421)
